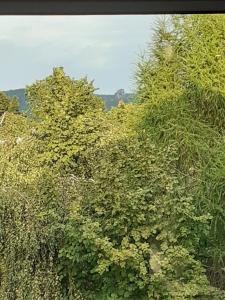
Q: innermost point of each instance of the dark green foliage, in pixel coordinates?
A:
(186, 109)
(13, 105)
(8, 104)
(174, 122)
(4, 103)
(212, 195)
(20, 94)
(131, 220)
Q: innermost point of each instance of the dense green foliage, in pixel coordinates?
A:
(127, 230)
(126, 203)
(64, 109)
(191, 115)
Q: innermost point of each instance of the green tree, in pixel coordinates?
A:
(34, 205)
(184, 105)
(186, 59)
(8, 104)
(4, 102)
(60, 105)
(13, 105)
(202, 43)
(159, 73)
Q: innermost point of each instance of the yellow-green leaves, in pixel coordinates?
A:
(64, 109)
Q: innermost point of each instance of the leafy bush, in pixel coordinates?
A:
(33, 210)
(59, 103)
(131, 221)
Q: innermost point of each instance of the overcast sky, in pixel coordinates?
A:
(105, 48)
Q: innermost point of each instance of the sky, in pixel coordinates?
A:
(103, 48)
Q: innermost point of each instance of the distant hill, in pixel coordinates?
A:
(110, 100)
(20, 94)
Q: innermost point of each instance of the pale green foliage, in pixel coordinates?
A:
(202, 45)
(187, 60)
(159, 73)
(15, 125)
(26, 237)
(33, 210)
(59, 96)
(62, 107)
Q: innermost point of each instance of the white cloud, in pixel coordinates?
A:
(102, 46)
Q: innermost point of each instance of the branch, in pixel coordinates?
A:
(3, 118)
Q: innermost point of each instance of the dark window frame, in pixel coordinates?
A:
(109, 7)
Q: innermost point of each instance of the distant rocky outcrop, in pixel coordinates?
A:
(119, 94)
(113, 100)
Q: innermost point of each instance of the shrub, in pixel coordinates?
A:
(134, 229)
